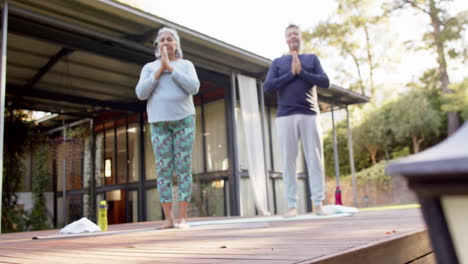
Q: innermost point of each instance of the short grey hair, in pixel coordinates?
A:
(291, 26)
(173, 32)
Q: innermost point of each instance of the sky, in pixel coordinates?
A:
(258, 26)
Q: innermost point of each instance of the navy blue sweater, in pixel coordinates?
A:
(291, 89)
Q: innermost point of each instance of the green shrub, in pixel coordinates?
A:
(16, 137)
(375, 174)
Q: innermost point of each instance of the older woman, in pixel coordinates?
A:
(168, 83)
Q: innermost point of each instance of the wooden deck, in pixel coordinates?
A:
(391, 236)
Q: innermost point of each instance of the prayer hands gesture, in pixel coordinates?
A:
(164, 64)
(296, 64)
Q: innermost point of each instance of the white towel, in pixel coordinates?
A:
(80, 226)
(336, 209)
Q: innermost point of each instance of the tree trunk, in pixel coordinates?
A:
(373, 154)
(369, 59)
(358, 68)
(416, 143)
(452, 117)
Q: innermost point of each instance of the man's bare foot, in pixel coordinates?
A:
(182, 224)
(167, 224)
(318, 210)
(292, 212)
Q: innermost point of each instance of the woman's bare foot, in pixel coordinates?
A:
(167, 224)
(182, 224)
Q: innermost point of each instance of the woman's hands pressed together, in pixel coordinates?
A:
(165, 65)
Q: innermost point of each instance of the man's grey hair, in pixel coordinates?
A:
(173, 32)
(291, 26)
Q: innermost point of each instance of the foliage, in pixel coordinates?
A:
(376, 174)
(414, 117)
(458, 100)
(78, 132)
(430, 80)
(338, 35)
(414, 120)
(403, 152)
(444, 27)
(387, 132)
(19, 137)
(349, 31)
(16, 136)
(373, 134)
(445, 31)
(360, 158)
(40, 176)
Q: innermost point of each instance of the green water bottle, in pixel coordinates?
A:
(102, 218)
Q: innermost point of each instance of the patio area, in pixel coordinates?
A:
(384, 236)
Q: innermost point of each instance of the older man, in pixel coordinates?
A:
(294, 77)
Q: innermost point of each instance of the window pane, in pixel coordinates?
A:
(197, 157)
(109, 162)
(215, 194)
(132, 206)
(281, 203)
(241, 141)
(133, 153)
(69, 165)
(153, 205)
(208, 199)
(60, 212)
(75, 177)
(150, 163)
(99, 170)
(122, 154)
(216, 146)
(246, 192)
(116, 206)
(99, 198)
(86, 163)
(74, 208)
(60, 169)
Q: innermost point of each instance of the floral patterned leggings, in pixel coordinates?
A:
(172, 145)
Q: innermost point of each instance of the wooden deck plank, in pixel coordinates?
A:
(304, 241)
(428, 259)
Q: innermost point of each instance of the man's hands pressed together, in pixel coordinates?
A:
(296, 64)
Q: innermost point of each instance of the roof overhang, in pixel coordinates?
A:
(82, 57)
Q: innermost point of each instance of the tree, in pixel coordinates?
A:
(413, 116)
(349, 31)
(373, 133)
(360, 156)
(445, 29)
(338, 35)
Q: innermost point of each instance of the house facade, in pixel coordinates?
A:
(81, 60)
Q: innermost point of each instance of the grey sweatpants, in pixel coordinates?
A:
(307, 128)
